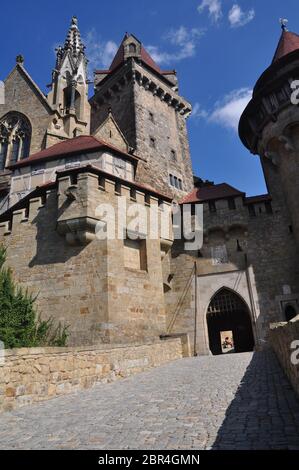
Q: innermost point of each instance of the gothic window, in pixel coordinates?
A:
(15, 137)
(15, 150)
(3, 153)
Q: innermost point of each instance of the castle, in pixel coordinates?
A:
(64, 155)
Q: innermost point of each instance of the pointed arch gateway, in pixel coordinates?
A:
(228, 312)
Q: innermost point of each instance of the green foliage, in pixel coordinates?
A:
(19, 324)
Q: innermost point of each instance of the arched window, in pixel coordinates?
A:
(16, 144)
(132, 48)
(15, 137)
(3, 146)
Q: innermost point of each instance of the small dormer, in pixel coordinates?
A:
(132, 47)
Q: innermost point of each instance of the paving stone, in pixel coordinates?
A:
(223, 402)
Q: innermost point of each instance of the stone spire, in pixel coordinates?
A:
(69, 87)
(73, 47)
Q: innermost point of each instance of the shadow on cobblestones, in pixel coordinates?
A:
(265, 411)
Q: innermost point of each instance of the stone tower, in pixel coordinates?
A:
(69, 88)
(150, 112)
(269, 127)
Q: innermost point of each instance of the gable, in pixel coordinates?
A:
(22, 95)
(22, 92)
(111, 133)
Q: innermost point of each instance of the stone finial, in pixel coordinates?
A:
(283, 23)
(20, 59)
(74, 22)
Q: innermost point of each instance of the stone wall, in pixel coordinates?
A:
(267, 279)
(281, 337)
(22, 96)
(142, 115)
(85, 285)
(37, 374)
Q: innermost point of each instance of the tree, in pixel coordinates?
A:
(20, 326)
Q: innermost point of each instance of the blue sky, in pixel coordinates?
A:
(218, 47)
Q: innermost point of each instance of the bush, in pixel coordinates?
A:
(19, 324)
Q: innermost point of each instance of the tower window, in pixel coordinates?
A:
(151, 117)
(212, 206)
(152, 142)
(132, 48)
(173, 155)
(176, 182)
(231, 204)
(251, 210)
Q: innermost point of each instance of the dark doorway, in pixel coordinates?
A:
(228, 312)
(290, 312)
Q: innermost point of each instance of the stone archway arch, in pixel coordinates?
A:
(227, 311)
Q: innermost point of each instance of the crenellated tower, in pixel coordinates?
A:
(269, 127)
(146, 103)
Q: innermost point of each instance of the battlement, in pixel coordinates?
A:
(76, 200)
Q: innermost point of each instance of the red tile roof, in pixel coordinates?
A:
(288, 43)
(84, 143)
(145, 57)
(256, 199)
(211, 192)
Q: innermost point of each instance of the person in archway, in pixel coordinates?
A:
(228, 343)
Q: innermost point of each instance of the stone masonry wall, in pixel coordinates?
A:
(142, 116)
(86, 286)
(37, 374)
(281, 337)
(21, 96)
(272, 264)
(168, 128)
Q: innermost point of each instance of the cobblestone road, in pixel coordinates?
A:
(240, 401)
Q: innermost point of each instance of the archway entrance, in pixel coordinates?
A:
(229, 324)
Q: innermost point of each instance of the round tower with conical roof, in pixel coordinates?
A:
(269, 127)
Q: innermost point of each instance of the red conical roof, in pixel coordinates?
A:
(289, 42)
(145, 57)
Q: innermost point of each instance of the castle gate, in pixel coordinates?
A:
(229, 324)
